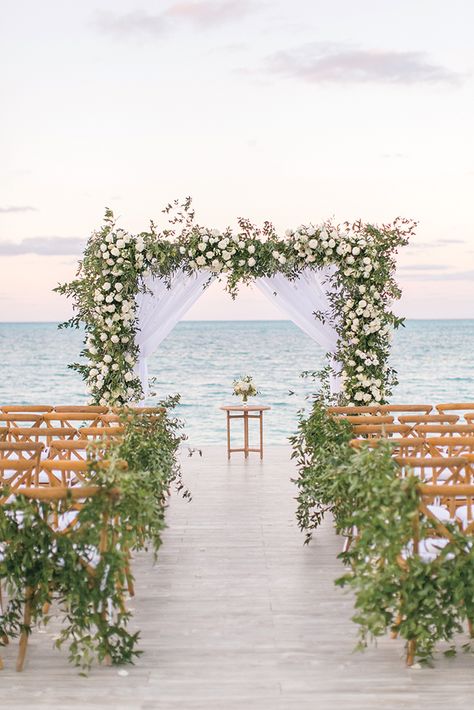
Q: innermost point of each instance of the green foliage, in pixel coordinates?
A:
(126, 515)
(395, 588)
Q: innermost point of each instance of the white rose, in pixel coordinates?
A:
(282, 259)
(115, 339)
(200, 261)
(103, 247)
(251, 261)
(105, 255)
(241, 244)
(118, 286)
(201, 246)
(367, 260)
(109, 238)
(251, 249)
(128, 377)
(182, 250)
(140, 246)
(226, 256)
(209, 254)
(313, 243)
(115, 367)
(106, 286)
(103, 337)
(107, 358)
(215, 233)
(356, 251)
(331, 243)
(93, 372)
(115, 252)
(99, 298)
(120, 243)
(288, 232)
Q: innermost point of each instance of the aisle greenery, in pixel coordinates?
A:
(359, 259)
(422, 600)
(126, 515)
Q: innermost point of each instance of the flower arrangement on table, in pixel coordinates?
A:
(245, 388)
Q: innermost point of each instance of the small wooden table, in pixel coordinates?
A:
(245, 412)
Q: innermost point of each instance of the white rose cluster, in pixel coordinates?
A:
(214, 251)
(113, 317)
(315, 244)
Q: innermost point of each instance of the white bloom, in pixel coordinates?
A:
(209, 254)
(275, 254)
(140, 246)
(103, 337)
(251, 261)
(106, 286)
(356, 250)
(118, 286)
(107, 358)
(313, 243)
(103, 247)
(182, 250)
(367, 260)
(93, 372)
(241, 244)
(251, 249)
(202, 246)
(120, 244)
(226, 255)
(241, 262)
(200, 261)
(115, 252)
(215, 233)
(115, 367)
(128, 377)
(115, 339)
(282, 259)
(105, 255)
(109, 238)
(288, 232)
(331, 243)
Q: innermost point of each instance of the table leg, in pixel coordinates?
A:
(261, 435)
(228, 435)
(246, 434)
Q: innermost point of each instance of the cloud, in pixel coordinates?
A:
(423, 267)
(201, 14)
(436, 243)
(44, 246)
(454, 276)
(18, 208)
(319, 63)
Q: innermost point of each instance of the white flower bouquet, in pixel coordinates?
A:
(245, 388)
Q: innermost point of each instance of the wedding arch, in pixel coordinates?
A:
(336, 282)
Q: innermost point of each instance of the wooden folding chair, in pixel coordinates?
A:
(71, 419)
(22, 419)
(401, 446)
(381, 430)
(54, 521)
(455, 430)
(462, 408)
(436, 469)
(63, 472)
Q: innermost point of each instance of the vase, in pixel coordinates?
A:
(245, 401)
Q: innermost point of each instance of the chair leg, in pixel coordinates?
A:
(26, 630)
(4, 638)
(398, 621)
(470, 627)
(411, 650)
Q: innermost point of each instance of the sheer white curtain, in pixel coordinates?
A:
(161, 308)
(300, 299)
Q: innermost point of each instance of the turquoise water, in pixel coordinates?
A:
(434, 359)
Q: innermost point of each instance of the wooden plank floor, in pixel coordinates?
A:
(239, 614)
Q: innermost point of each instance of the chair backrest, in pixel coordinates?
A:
(444, 469)
(457, 429)
(43, 434)
(20, 449)
(100, 432)
(88, 408)
(428, 418)
(367, 419)
(369, 409)
(63, 472)
(405, 408)
(381, 430)
(460, 407)
(25, 408)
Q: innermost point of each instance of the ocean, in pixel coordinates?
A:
(199, 360)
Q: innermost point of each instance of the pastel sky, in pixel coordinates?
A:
(291, 111)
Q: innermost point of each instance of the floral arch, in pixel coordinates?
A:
(337, 282)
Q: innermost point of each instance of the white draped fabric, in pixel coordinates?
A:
(161, 308)
(167, 301)
(300, 299)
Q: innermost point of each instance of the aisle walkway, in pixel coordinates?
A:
(238, 614)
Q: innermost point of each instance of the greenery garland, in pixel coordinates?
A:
(34, 556)
(361, 290)
(426, 601)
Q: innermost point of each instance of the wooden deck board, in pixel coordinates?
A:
(238, 614)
